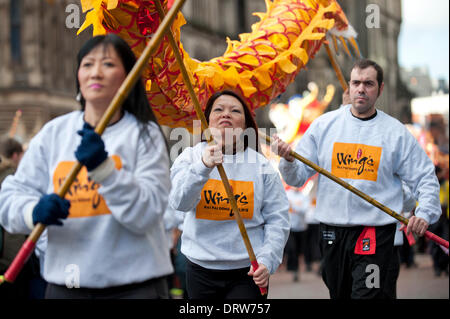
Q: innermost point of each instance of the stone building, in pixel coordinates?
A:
(37, 60)
(37, 63)
(418, 80)
(379, 42)
(376, 21)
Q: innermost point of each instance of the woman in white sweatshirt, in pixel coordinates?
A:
(104, 238)
(218, 263)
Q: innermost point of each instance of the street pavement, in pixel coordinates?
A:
(413, 283)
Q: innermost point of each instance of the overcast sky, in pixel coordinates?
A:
(424, 36)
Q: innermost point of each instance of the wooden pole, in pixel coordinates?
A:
(201, 116)
(356, 191)
(336, 67)
(131, 79)
(369, 199)
(15, 123)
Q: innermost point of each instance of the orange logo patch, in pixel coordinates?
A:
(214, 203)
(83, 196)
(356, 161)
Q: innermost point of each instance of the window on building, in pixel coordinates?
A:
(242, 15)
(15, 16)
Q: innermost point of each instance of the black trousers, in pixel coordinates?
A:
(354, 276)
(155, 288)
(390, 288)
(312, 251)
(294, 248)
(440, 228)
(203, 283)
(406, 252)
(28, 285)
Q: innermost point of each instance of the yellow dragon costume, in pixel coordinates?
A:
(260, 66)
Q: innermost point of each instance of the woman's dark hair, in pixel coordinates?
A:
(250, 122)
(136, 102)
(9, 146)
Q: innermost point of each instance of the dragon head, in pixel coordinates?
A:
(340, 19)
(342, 30)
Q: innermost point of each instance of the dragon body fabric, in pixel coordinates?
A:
(259, 66)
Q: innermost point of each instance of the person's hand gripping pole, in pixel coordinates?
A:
(288, 153)
(442, 242)
(210, 139)
(27, 248)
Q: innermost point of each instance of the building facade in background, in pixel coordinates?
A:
(37, 63)
(38, 56)
(209, 22)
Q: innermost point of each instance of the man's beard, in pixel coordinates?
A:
(362, 108)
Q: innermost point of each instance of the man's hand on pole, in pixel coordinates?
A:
(281, 148)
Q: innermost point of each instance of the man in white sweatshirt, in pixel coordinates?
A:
(374, 153)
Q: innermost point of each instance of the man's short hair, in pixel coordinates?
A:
(365, 63)
(9, 146)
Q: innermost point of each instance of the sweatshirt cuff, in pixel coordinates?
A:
(287, 166)
(28, 215)
(201, 169)
(266, 263)
(100, 173)
(424, 216)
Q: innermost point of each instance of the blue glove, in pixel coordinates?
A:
(50, 209)
(91, 151)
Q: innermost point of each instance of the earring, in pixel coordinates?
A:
(78, 97)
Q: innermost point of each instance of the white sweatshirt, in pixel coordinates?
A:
(409, 203)
(299, 204)
(172, 220)
(211, 237)
(114, 234)
(374, 156)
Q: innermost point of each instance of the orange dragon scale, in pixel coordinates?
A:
(259, 66)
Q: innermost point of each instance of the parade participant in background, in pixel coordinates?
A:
(106, 236)
(218, 263)
(441, 228)
(374, 153)
(299, 204)
(173, 223)
(11, 152)
(312, 251)
(409, 203)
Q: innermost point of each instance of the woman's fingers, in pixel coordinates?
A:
(260, 276)
(212, 156)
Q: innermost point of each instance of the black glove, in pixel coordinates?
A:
(91, 151)
(50, 209)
